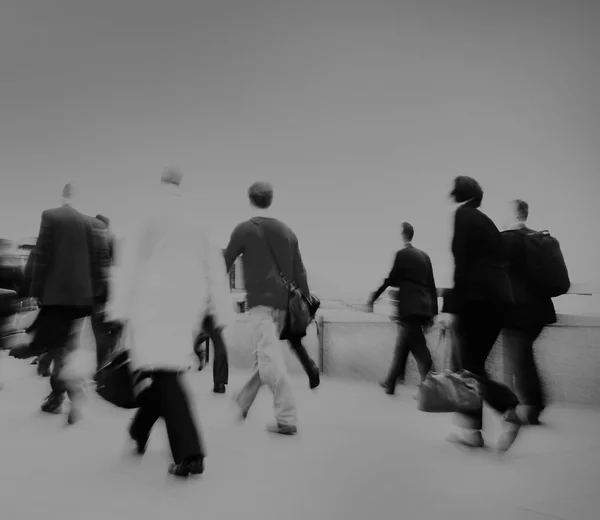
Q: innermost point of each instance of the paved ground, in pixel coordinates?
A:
(360, 454)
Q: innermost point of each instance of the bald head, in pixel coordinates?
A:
(172, 177)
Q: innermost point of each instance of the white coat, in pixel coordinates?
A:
(171, 275)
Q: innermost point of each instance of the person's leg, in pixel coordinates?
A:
(220, 361)
(420, 351)
(184, 438)
(528, 386)
(400, 354)
(309, 366)
(145, 417)
(478, 329)
(267, 325)
(71, 374)
(101, 336)
(44, 364)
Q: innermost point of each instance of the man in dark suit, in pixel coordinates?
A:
(525, 318)
(416, 305)
(68, 275)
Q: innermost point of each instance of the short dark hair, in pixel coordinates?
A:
(522, 209)
(103, 219)
(408, 232)
(466, 188)
(261, 194)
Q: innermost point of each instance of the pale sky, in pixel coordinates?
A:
(359, 112)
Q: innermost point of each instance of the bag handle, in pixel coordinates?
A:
(289, 286)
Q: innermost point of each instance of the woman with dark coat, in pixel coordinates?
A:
(478, 301)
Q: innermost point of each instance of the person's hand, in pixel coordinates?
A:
(369, 306)
(446, 321)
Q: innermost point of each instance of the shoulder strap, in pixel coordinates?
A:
(285, 281)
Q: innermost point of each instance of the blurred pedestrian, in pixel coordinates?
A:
(171, 277)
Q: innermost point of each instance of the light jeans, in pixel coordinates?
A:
(269, 367)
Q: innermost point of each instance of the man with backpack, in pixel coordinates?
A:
(537, 273)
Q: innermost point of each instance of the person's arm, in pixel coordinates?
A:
(100, 261)
(43, 256)
(432, 288)
(390, 281)
(235, 247)
(459, 251)
(220, 304)
(300, 277)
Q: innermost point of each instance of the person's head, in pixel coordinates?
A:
(171, 177)
(466, 189)
(261, 195)
(520, 210)
(68, 193)
(408, 232)
(104, 220)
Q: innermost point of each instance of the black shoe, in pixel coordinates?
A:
(141, 443)
(512, 427)
(192, 466)
(219, 389)
(282, 429)
(387, 389)
(469, 438)
(53, 405)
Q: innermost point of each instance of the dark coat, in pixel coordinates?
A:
(412, 274)
(69, 259)
(531, 309)
(261, 277)
(479, 273)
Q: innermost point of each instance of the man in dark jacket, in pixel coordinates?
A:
(412, 274)
(68, 275)
(526, 318)
(267, 299)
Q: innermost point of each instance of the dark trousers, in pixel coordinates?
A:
(298, 348)
(220, 359)
(478, 328)
(167, 398)
(56, 333)
(518, 346)
(44, 363)
(411, 338)
(101, 336)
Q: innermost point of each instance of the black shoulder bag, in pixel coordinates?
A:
(301, 309)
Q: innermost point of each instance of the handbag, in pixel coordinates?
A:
(116, 381)
(301, 309)
(449, 391)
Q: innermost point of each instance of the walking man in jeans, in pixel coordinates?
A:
(412, 274)
(267, 299)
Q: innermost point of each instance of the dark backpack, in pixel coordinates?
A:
(545, 264)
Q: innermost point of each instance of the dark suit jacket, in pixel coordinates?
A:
(412, 274)
(531, 309)
(261, 277)
(69, 259)
(479, 273)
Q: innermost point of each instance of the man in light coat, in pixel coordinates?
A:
(170, 278)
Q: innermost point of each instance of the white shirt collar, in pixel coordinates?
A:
(258, 212)
(517, 225)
